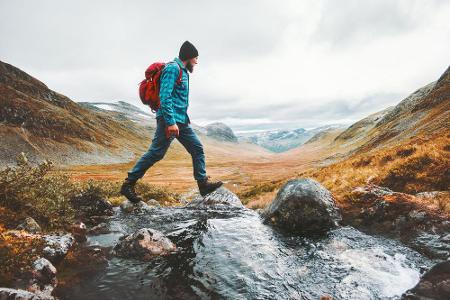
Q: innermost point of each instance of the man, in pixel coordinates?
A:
(172, 122)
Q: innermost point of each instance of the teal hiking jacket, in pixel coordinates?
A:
(174, 97)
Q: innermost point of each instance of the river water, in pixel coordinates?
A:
(231, 254)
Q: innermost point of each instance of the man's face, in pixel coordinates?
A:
(191, 64)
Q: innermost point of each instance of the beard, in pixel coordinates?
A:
(190, 67)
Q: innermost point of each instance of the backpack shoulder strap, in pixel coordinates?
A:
(180, 74)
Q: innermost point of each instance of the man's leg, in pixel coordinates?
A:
(156, 152)
(192, 143)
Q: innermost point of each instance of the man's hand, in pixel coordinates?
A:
(172, 130)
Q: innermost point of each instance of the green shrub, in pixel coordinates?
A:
(29, 189)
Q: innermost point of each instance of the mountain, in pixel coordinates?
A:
(221, 132)
(122, 110)
(49, 125)
(284, 140)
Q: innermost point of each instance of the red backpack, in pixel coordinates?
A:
(149, 87)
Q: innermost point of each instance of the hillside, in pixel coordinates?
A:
(49, 125)
(404, 148)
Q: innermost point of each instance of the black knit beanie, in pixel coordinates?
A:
(187, 51)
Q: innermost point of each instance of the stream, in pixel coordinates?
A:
(231, 254)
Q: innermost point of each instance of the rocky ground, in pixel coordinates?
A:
(300, 205)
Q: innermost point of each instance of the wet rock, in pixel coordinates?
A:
(79, 231)
(153, 202)
(44, 278)
(144, 244)
(432, 244)
(128, 206)
(378, 210)
(13, 294)
(84, 260)
(417, 215)
(57, 246)
(44, 272)
(303, 205)
(101, 228)
(219, 199)
(89, 204)
(30, 225)
(434, 284)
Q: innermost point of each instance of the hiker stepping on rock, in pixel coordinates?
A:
(166, 91)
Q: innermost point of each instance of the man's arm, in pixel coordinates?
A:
(168, 77)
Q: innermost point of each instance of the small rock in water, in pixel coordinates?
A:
(144, 244)
(220, 198)
(153, 202)
(30, 225)
(303, 205)
(128, 206)
(101, 228)
(434, 284)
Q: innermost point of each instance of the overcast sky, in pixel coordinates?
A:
(262, 64)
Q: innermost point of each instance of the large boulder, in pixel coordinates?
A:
(303, 205)
(434, 284)
(144, 244)
(222, 198)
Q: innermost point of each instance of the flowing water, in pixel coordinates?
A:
(233, 255)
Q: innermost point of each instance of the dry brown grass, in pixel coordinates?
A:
(418, 165)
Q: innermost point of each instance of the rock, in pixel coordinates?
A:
(128, 206)
(30, 225)
(57, 246)
(371, 191)
(44, 278)
(144, 244)
(79, 230)
(44, 272)
(303, 205)
(418, 216)
(434, 284)
(101, 228)
(89, 204)
(153, 202)
(13, 294)
(219, 199)
(221, 132)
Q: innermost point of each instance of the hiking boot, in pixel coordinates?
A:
(207, 186)
(128, 191)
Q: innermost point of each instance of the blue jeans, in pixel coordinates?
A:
(161, 143)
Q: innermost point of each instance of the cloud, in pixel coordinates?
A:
(262, 63)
